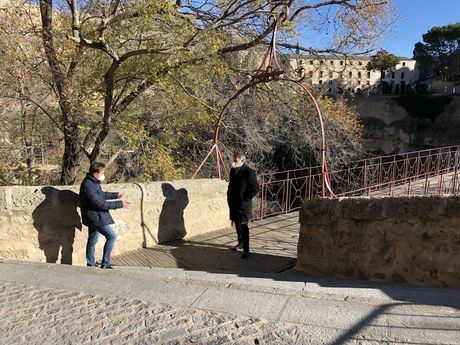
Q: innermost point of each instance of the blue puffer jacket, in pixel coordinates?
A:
(94, 205)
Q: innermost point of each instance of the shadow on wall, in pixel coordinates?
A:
(171, 225)
(55, 220)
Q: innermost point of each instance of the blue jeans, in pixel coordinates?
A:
(93, 235)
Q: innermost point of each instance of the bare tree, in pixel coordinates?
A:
(102, 56)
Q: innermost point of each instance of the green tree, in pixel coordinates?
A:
(439, 54)
(99, 61)
(383, 61)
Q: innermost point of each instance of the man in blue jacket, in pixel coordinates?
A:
(95, 213)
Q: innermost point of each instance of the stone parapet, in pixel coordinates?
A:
(399, 239)
(44, 224)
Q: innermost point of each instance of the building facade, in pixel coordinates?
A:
(350, 75)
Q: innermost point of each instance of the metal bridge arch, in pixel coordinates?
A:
(271, 70)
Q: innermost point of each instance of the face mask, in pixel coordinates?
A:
(237, 165)
(101, 177)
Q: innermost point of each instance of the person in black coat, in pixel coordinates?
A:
(242, 187)
(95, 213)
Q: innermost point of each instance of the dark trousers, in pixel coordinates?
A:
(242, 230)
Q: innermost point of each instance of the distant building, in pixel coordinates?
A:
(349, 75)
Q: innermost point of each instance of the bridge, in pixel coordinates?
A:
(275, 230)
(414, 240)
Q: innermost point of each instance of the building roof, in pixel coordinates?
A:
(337, 57)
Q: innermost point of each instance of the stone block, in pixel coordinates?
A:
(320, 212)
(399, 239)
(363, 208)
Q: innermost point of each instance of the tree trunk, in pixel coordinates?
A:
(73, 152)
(27, 132)
(71, 158)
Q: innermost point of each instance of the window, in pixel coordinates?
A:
(341, 63)
(402, 75)
(310, 74)
(320, 82)
(332, 62)
(360, 63)
(368, 74)
(321, 62)
(311, 62)
(321, 74)
(331, 75)
(350, 74)
(392, 75)
(404, 64)
(359, 75)
(351, 63)
(368, 83)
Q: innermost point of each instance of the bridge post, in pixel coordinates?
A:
(287, 193)
(393, 176)
(438, 163)
(454, 183)
(365, 176)
(261, 198)
(417, 166)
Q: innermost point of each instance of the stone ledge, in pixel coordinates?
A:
(328, 211)
(398, 239)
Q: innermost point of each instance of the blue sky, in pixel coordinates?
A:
(417, 17)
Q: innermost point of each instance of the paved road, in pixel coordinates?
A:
(54, 304)
(37, 315)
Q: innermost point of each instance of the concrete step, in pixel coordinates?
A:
(376, 310)
(286, 284)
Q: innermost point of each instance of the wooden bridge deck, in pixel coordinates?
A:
(434, 185)
(273, 248)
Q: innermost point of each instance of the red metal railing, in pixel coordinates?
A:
(426, 172)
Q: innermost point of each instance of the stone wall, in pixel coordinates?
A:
(398, 239)
(380, 116)
(388, 128)
(43, 223)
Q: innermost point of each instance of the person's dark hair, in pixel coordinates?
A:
(96, 167)
(239, 154)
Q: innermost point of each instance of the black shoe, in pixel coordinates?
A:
(245, 255)
(238, 246)
(107, 267)
(95, 265)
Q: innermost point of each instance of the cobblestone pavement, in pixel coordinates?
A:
(36, 315)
